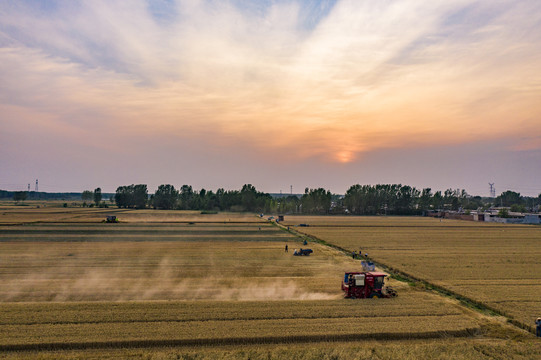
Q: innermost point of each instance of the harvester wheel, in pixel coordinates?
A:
(374, 296)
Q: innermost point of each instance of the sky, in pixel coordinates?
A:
(276, 93)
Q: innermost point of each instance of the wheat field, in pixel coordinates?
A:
(177, 288)
(496, 264)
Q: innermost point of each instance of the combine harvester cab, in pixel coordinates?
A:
(362, 285)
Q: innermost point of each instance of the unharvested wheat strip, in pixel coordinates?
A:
(193, 311)
(12, 334)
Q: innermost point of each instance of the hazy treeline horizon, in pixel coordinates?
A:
(359, 199)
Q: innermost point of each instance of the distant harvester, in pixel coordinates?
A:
(111, 219)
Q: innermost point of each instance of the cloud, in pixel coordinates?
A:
(330, 83)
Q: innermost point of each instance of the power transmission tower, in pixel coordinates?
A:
(492, 190)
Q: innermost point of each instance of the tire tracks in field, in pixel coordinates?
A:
(153, 343)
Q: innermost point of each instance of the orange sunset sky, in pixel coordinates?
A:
(440, 94)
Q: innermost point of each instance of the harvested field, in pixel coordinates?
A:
(17, 215)
(85, 289)
(144, 232)
(12, 215)
(191, 265)
(138, 216)
(498, 265)
(210, 322)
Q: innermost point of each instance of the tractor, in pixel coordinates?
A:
(302, 252)
(364, 285)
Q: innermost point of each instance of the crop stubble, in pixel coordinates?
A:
(191, 282)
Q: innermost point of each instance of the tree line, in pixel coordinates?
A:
(167, 197)
(38, 195)
(390, 199)
(397, 199)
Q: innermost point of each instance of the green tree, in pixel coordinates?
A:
(473, 203)
(503, 213)
(316, 201)
(87, 195)
(97, 196)
(382, 199)
(518, 208)
(285, 205)
(425, 199)
(140, 196)
(248, 196)
(20, 195)
(186, 197)
(132, 196)
(253, 200)
(509, 198)
(437, 200)
(450, 199)
(407, 195)
(165, 197)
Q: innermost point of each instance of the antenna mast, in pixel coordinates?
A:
(492, 190)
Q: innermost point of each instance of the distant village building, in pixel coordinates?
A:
(532, 219)
(489, 216)
(478, 217)
(514, 218)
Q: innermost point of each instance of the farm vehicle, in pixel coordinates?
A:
(302, 252)
(364, 285)
(368, 266)
(111, 219)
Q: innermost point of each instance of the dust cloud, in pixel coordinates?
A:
(164, 282)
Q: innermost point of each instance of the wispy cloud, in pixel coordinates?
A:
(331, 82)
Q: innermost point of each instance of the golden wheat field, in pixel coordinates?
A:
(53, 211)
(496, 264)
(449, 348)
(194, 286)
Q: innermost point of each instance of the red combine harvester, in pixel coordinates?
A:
(364, 285)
